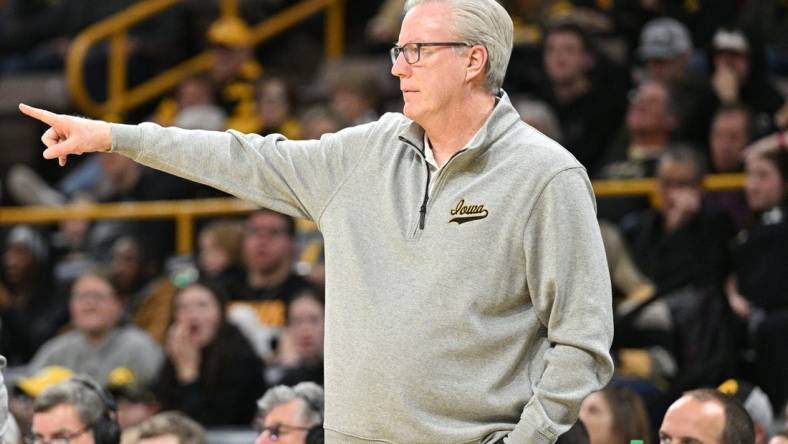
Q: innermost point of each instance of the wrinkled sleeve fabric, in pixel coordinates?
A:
(293, 177)
(569, 285)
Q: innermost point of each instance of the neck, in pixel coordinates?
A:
(269, 278)
(450, 131)
(96, 337)
(571, 89)
(649, 138)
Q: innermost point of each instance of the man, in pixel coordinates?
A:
(468, 293)
(706, 416)
(100, 345)
(75, 411)
(290, 415)
(730, 134)
(268, 247)
(169, 428)
(588, 110)
(666, 50)
(757, 404)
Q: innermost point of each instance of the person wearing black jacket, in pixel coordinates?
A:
(211, 372)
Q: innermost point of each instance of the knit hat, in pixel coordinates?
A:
(664, 38)
(35, 384)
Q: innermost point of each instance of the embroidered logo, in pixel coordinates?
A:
(467, 213)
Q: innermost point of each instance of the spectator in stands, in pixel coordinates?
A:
(681, 243)
(353, 95)
(615, 415)
(30, 309)
(299, 353)
(270, 282)
(194, 106)
(219, 251)
(211, 372)
(170, 428)
(318, 120)
(100, 343)
(135, 401)
(77, 411)
(738, 77)
(646, 134)
(588, 111)
(666, 49)
(758, 290)
(730, 134)
(541, 116)
(706, 415)
(275, 108)
(292, 415)
(26, 390)
(648, 127)
(755, 402)
(131, 270)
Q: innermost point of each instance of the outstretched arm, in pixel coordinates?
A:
(70, 135)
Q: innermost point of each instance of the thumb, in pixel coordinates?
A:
(61, 149)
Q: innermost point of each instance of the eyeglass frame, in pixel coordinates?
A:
(396, 50)
(32, 439)
(276, 430)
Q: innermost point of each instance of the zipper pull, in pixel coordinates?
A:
(422, 214)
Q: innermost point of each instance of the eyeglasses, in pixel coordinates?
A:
(64, 438)
(278, 430)
(412, 51)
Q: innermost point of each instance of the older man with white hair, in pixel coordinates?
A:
(467, 294)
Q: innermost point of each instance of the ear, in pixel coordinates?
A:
(477, 61)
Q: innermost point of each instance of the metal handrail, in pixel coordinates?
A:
(115, 28)
(186, 211)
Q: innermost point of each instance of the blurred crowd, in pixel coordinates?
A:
(229, 336)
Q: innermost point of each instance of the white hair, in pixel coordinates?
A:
(309, 393)
(485, 23)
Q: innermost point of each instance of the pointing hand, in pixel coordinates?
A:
(69, 134)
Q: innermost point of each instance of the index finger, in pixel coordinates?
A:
(43, 115)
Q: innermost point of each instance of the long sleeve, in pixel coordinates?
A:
(293, 177)
(569, 284)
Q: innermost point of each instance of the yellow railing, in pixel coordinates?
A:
(186, 211)
(120, 99)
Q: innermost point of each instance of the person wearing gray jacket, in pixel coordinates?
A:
(468, 298)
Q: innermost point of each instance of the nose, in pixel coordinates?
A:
(400, 68)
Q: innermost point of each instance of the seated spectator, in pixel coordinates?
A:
(291, 413)
(755, 402)
(681, 243)
(730, 134)
(135, 401)
(211, 372)
(269, 283)
(193, 107)
(299, 355)
(706, 416)
(76, 411)
(353, 95)
(319, 120)
(100, 343)
(169, 428)
(666, 49)
(539, 115)
(739, 77)
(27, 389)
(588, 110)
(131, 269)
(758, 291)
(646, 134)
(275, 108)
(31, 311)
(615, 415)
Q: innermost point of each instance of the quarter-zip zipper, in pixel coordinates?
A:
(423, 208)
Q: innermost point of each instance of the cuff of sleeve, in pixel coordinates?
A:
(532, 429)
(126, 139)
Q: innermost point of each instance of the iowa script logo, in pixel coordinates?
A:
(466, 213)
